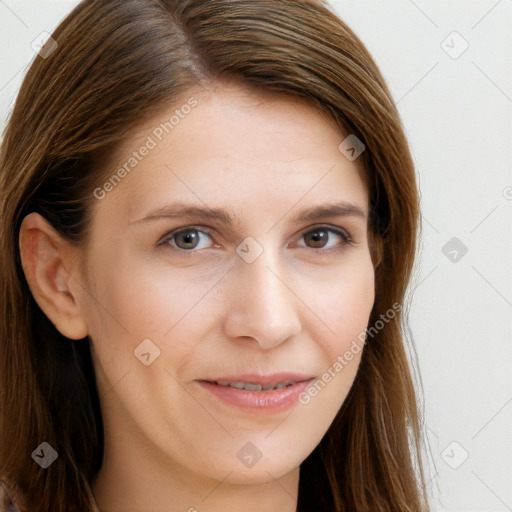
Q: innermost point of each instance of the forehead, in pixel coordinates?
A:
(219, 144)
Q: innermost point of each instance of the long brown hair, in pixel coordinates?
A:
(117, 62)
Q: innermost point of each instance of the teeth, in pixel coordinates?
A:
(250, 386)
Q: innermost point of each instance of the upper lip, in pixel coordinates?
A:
(262, 378)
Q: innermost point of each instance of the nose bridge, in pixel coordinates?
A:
(261, 305)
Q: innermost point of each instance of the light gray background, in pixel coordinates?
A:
(457, 111)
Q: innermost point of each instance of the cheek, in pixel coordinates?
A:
(135, 302)
(345, 302)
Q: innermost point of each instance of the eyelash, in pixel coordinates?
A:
(347, 239)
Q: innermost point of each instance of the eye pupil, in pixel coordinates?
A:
(318, 237)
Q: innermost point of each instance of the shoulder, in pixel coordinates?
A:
(10, 501)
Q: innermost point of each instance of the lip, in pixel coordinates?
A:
(260, 402)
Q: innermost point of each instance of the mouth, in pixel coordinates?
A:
(253, 386)
(264, 394)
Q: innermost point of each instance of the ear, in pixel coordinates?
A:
(49, 264)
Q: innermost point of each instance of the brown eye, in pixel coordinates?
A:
(187, 239)
(324, 238)
(317, 238)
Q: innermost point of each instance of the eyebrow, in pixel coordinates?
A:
(312, 214)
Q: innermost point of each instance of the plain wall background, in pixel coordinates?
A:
(457, 111)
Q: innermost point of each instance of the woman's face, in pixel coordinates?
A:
(262, 290)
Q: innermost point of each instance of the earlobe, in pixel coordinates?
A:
(46, 258)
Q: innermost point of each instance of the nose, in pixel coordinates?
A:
(261, 303)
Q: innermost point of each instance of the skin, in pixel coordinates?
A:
(170, 445)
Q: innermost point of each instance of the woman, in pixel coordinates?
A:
(209, 217)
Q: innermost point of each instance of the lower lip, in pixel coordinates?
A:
(264, 402)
